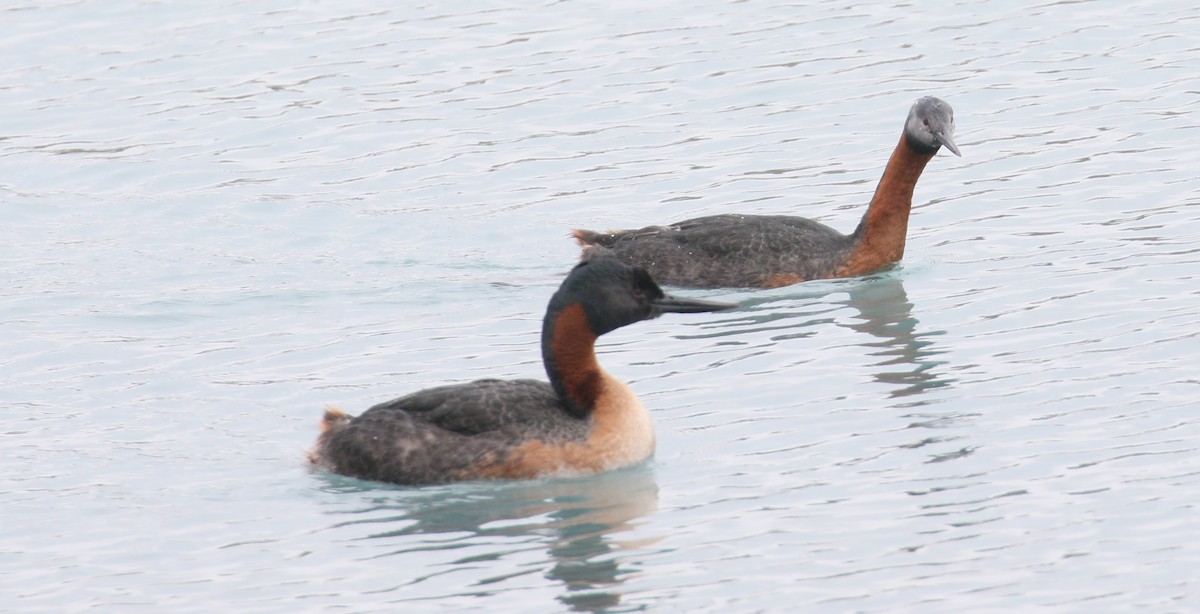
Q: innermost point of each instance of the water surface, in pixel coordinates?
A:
(219, 218)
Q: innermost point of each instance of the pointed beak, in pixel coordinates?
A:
(680, 304)
(948, 142)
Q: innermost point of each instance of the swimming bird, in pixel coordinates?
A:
(767, 251)
(582, 421)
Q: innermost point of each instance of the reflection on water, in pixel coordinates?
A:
(886, 313)
(251, 209)
(575, 519)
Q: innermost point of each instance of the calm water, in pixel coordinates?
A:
(219, 218)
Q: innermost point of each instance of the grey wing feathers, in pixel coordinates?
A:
(482, 406)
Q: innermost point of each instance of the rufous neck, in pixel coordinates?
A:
(569, 353)
(885, 224)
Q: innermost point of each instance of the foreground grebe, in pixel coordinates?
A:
(767, 251)
(582, 421)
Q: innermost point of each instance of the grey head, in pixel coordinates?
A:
(930, 125)
(613, 294)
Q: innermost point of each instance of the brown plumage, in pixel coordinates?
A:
(582, 421)
(767, 251)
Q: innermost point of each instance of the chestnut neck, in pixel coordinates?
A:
(569, 353)
(884, 227)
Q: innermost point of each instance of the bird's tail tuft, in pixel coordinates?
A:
(333, 420)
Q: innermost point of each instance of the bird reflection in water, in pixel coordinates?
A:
(578, 521)
(886, 314)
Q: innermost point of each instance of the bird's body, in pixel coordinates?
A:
(582, 421)
(777, 250)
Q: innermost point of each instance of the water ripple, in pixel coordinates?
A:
(219, 218)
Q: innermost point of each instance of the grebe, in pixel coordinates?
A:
(768, 251)
(582, 421)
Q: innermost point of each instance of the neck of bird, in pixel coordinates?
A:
(885, 224)
(569, 353)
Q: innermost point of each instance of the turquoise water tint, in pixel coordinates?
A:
(217, 218)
